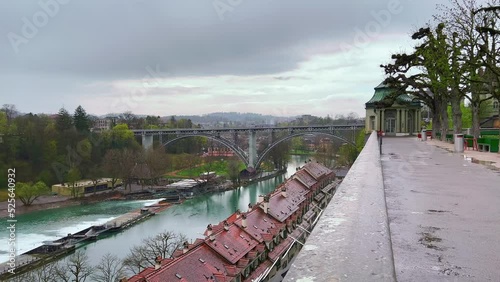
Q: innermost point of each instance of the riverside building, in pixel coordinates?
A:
(258, 244)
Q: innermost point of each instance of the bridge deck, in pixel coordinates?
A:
(444, 213)
(246, 129)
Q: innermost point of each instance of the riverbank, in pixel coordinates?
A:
(57, 201)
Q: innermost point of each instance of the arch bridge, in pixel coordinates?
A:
(345, 133)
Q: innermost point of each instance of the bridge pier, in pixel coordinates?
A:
(147, 141)
(252, 149)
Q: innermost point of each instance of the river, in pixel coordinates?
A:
(190, 218)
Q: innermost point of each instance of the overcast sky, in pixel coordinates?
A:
(281, 57)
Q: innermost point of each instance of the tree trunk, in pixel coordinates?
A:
(444, 119)
(475, 120)
(456, 114)
(436, 119)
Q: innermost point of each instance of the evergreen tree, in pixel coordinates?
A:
(63, 121)
(81, 120)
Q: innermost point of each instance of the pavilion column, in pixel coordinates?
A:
(382, 120)
(405, 120)
(398, 120)
(416, 122)
(402, 124)
(419, 120)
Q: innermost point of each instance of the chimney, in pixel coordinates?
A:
(158, 262)
(249, 207)
(261, 199)
(209, 229)
(210, 233)
(265, 204)
(244, 220)
(238, 213)
(226, 225)
(283, 192)
(185, 247)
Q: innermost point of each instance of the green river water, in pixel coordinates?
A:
(190, 218)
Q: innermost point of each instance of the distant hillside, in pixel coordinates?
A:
(233, 118)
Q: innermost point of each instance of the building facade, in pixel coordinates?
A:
(102, 124)
(402, 117)
(83, 187)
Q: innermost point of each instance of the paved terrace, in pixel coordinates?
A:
(442, 210)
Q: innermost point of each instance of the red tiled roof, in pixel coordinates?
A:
(199, 264)
(252, 254)
(243, 262)
(232, 244)
(137, 278)
(305, 178)
(232, 270)
(281, 207)
(258, 222)
(317, 170)
(295, 185)
(225, 257)
(232, 218)
(267, 237)
(260, 248)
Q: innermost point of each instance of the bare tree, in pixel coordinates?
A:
(95, 174)
(110, 166)
(75, 268)
(109, 269)
(127, 160)
(233, 170)
(157, 163)
(326, 154)
(162, 245)
(44, 273)
(10, 111)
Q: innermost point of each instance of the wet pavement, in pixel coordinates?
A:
(444, 212)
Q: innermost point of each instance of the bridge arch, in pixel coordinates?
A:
(288, 137)
(237, 150)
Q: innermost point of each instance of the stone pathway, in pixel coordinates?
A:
(444, 211)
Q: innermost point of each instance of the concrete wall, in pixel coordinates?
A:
(351, 241)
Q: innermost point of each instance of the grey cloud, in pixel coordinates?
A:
(119, 39)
